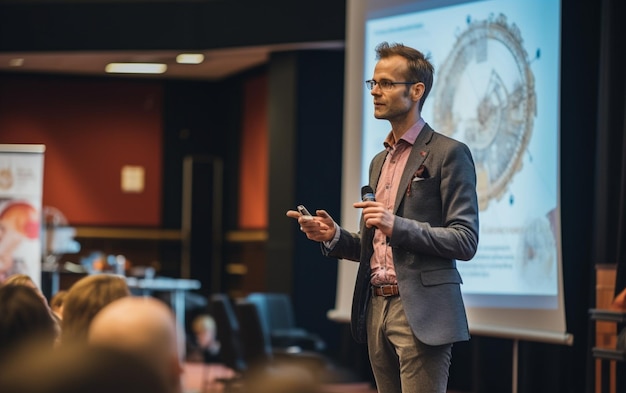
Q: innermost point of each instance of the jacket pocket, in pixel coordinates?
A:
(441, 276)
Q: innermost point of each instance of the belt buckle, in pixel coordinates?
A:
(385, 293)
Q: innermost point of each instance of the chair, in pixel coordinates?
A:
(276, 314)
(255, 339)
(259, 355)
(228, 332)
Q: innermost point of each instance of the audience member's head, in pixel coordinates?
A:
(56, 303)
(143, 326)
(205, 331)
(24, 319)
(79, 369)
(25, 279)
(204, 328)
(20, 279)
(83, 301)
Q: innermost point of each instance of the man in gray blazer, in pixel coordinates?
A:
(407, 302)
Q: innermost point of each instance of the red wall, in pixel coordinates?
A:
(91, 129)
(254, 160)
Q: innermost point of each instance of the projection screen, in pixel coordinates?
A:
(496, 88)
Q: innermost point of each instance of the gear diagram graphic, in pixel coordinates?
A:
(485, 96)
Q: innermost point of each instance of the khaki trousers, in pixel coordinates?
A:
(400, 362)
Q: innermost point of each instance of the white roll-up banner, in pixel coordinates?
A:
(21, 190)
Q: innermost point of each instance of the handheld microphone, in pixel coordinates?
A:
(367, 194)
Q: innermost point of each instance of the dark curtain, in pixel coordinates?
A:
(610, 208)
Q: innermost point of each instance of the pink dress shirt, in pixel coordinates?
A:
(383, 271)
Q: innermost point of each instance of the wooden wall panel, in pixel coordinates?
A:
(254, 159)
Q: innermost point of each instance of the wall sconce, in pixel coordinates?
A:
(133, 178)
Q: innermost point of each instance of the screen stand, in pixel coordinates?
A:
(515, 365)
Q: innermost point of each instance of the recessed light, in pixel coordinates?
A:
(16, 62)
(135, 68)
(190, 58)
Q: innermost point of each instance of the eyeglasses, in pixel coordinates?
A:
(385, 84)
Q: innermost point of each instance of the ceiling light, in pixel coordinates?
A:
(16, 62)
(190, 58)
(136, 68)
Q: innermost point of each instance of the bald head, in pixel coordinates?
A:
(141, 325)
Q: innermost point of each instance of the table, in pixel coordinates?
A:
(175, 286)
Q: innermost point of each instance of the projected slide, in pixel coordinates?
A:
(496, 88)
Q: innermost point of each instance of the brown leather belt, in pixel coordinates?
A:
(386, 290)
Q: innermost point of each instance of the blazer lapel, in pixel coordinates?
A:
(418, 154)
(377, 167)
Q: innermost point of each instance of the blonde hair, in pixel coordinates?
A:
(85, 299)
(203, 322)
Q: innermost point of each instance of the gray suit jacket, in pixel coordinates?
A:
(437, 224)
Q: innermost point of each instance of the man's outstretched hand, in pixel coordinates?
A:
(319, 228)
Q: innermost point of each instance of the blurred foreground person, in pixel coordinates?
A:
(56, 303)
(84, 299)
(79, 369)
(24, 319)
(26, 280)
(145, 327)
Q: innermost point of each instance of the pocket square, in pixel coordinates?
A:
(420, 174)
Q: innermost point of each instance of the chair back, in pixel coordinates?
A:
(255, 338)
(275, 310)
(277, 317)
(228, 332)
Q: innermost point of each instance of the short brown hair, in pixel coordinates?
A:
(83, 301)
(420, 68)
(24, 318)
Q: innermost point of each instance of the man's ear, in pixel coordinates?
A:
(417, 91)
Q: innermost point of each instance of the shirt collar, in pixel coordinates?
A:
(409, 136)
